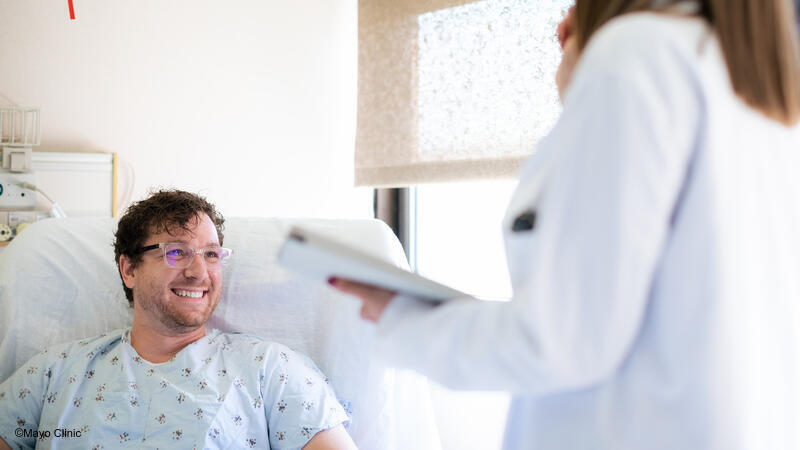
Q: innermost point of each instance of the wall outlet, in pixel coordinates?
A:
(13, 196)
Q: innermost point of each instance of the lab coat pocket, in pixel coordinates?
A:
(524, 222)
(522, 240)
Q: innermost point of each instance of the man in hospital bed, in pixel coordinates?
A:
(167, 382)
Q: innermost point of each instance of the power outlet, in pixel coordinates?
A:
(13, 196)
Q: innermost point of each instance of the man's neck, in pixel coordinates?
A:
(157, 347)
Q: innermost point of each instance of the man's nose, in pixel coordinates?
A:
(197, 269)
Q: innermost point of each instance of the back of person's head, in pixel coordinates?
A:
(164, 210)
(759, 39)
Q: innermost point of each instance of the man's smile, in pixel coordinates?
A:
(190, 293)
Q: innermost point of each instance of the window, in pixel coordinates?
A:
(486, 74)
(457, 240)
(458, 236)
(451, 90)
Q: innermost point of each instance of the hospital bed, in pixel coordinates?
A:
(59, 282)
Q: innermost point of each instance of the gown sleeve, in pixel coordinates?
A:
(21, 398)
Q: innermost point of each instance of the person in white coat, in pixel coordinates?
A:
(653, 245)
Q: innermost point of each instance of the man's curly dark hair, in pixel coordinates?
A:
(164, 210)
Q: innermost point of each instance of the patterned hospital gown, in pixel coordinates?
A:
(222, 391)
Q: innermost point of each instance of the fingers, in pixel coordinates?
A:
(372, 309)
(360, 289)
(374, 299)
(368, 313)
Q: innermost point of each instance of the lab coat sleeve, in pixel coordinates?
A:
(583, 274)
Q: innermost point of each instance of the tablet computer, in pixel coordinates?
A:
(321, 257)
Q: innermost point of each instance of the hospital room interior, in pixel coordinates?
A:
(395, 127)
(261, 106)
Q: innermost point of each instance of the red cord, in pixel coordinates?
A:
(71, 10)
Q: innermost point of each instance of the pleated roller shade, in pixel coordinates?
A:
(453, 90)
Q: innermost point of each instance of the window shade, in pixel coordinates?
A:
(453, 90)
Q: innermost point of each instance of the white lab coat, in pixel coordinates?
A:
(657, 296)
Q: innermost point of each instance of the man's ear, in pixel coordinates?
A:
(126, 270)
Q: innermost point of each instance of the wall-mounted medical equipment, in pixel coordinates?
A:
(19, 133)
(84, 184)
(19, 126)
(13, 222)
(12, 193)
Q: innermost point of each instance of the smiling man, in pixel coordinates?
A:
(168, 382)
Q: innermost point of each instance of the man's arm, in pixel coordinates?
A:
(21, 402)
(335, 438)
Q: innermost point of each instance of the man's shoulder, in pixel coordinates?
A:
(87, 346)
(55, 359)
(220, 338)
(261, 350)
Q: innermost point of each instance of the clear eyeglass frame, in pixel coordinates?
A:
(177, 255)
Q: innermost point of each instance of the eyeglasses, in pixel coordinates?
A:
(180, 256)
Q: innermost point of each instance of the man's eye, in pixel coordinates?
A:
(212, 254)
(176, 253)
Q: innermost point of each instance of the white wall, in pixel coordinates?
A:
(251, 102)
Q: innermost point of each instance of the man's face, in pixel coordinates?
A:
(176, 300)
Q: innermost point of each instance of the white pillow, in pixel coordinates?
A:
(58, 282)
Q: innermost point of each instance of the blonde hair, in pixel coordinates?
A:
(759, 39)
